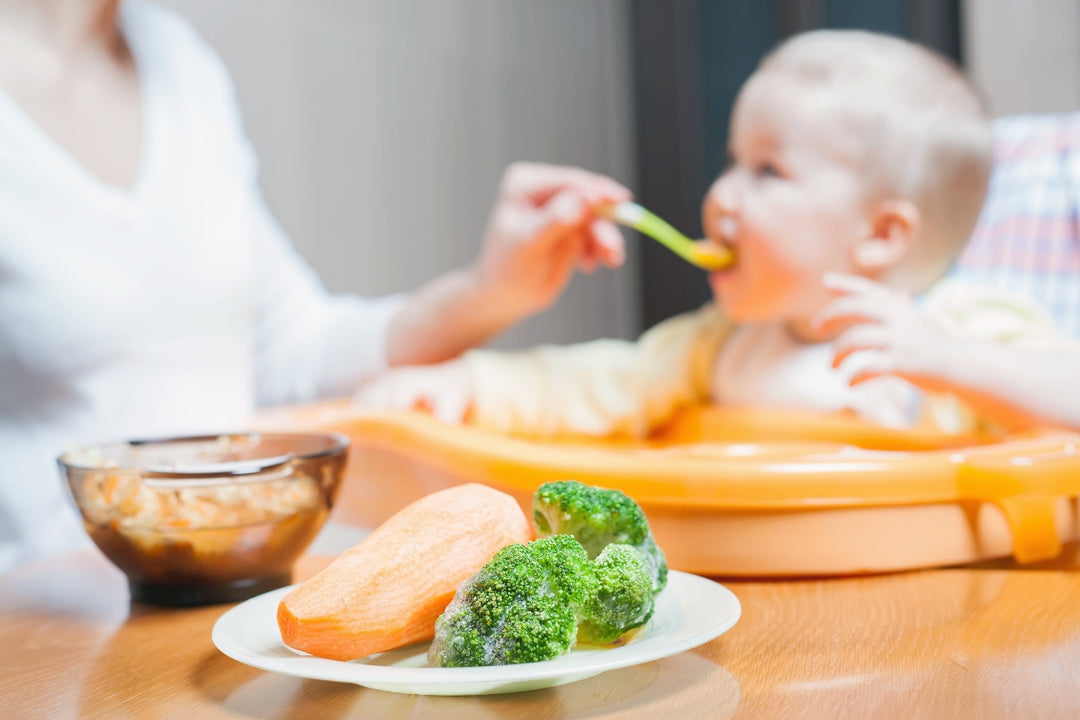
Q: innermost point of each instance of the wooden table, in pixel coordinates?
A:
(987, 642)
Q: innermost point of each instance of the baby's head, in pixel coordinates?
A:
(851, 152)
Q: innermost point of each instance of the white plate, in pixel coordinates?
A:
(690, 611)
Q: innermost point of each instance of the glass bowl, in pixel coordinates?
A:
(206, 519)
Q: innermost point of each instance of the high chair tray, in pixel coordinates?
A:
(736, 492)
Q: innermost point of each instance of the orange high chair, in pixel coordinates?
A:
(735, 492)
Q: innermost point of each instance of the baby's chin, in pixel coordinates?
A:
(784, 305)
(741, 306)
(741, 314)
(741, 309)
(747, 313)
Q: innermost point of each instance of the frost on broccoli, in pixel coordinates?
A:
(523, 606)
(591, 580)
(623, 599)
(533, 602)
(598, 517)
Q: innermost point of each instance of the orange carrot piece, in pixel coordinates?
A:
(388, 590)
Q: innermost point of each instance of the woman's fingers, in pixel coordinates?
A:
(606, 242)
(539, 182)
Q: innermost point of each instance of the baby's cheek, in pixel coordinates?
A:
(794, 282)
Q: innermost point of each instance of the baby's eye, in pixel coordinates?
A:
(767, 169)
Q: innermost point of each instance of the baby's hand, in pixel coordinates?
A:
(899, 338)
(444, 390)
(544, 224)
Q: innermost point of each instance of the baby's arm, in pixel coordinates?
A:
(1012, 385)
(599, 388)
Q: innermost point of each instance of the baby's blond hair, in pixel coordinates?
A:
(918, 124)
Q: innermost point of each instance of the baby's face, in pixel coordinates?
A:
(791, 205)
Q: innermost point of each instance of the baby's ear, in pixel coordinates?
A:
(894, 226)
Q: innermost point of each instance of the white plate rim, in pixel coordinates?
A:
(692, 609)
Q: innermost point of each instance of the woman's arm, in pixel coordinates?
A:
(543, 225)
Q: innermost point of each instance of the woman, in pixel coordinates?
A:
(146, 290)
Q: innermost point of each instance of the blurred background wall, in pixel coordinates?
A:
(1024, 55)
(383, 125)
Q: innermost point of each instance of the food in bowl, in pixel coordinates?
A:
(204, 519)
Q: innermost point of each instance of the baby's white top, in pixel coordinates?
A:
(764, 366)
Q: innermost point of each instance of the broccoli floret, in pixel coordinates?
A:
(624, 598)
(523, 606)
(598, 517)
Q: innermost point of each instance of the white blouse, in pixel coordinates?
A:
(174, 306)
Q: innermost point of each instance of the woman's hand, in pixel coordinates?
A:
(544, 224)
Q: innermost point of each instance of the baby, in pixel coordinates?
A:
(859, 164)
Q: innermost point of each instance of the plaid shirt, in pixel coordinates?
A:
(1027, 239)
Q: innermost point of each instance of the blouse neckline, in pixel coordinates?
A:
(65, 162)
